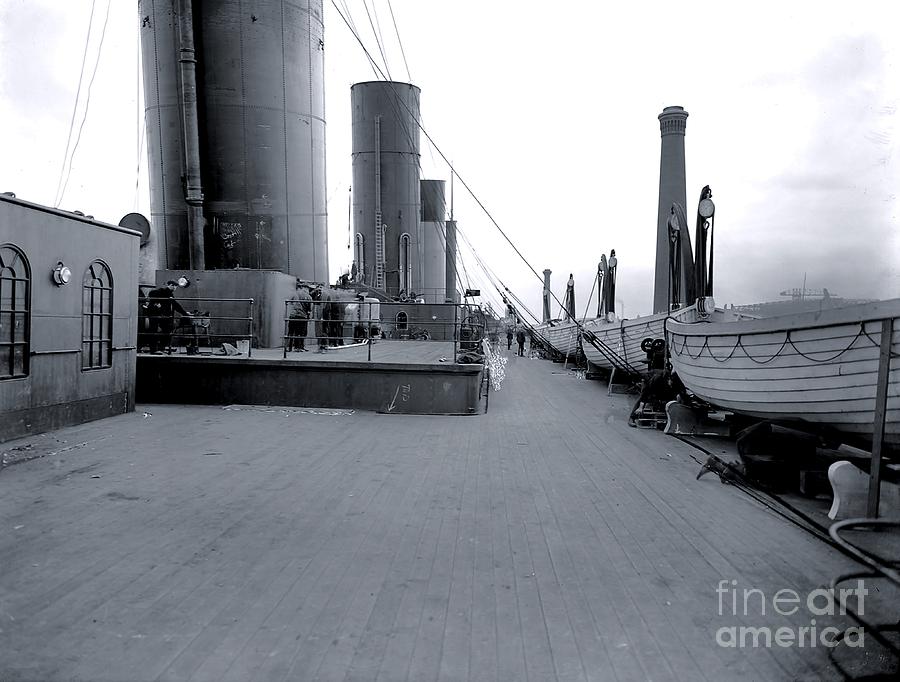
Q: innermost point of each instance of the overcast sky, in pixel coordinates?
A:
(549, 113)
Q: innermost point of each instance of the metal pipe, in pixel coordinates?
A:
(187, 95)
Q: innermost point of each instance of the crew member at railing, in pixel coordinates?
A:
(298, 315)
(162, 309)
(317, 316)
(329, 314)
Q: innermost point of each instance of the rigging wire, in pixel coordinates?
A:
(87, 41)
(137, 179)
(351, 24)
(399, 42)
(462, 261)
(490, 275)
(378, 25)
(347, 9)
(348, 20)
(587, 304)
(377, 41)
(408, 134)
(87, 103)
(456, 173)
(769, 498)
(141, 128)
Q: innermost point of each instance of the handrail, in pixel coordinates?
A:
(336, 329)
(164, 329)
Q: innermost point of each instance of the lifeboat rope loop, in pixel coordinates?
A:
(625, 335)
(787, 341)
(836, 355)
(875, 343)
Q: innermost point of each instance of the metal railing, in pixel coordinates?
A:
(210, 322)
(336, 325)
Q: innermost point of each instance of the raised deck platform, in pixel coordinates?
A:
(409, 377)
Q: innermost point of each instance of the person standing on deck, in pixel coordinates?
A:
(318, 315)
(338, 317)
(520, 339)
(509, 337)
(162, 309)
(298, 316)
(328, 313)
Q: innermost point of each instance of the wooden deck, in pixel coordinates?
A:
(545, 540)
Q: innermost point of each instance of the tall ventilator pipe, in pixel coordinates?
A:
(385, 154)
(434, 261)
(546, 296)
(193, 184)
(261, 122)
(672, 189)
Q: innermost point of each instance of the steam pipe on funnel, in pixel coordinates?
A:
(193, 185)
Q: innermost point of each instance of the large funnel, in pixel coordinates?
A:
(386, 183)
(434, 260)
(261, 104)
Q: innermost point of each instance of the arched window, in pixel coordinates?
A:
(15, 297)
(360, 257)
(402, 320)
(96, 317)
(404, 263)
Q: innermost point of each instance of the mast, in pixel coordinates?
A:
(450, 255)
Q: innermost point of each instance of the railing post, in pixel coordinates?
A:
(369, 332)
(250, 342)
(881, 391)
(287, 331)
(455, 332)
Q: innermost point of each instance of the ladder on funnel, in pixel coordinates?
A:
(379, 227)
(379, 252)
